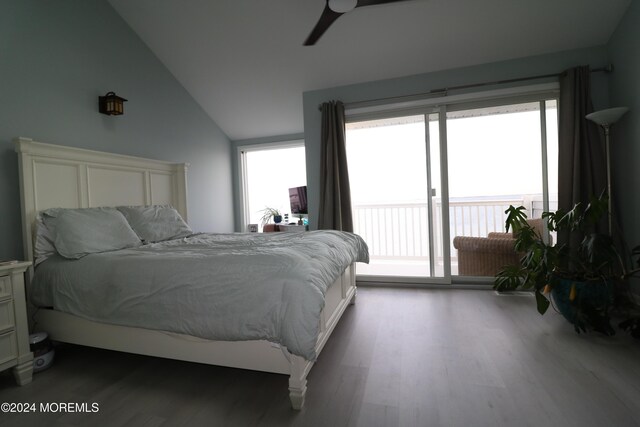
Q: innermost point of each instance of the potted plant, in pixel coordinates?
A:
(581, 279)
(268, 213)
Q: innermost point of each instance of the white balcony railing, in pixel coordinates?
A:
(399, 231)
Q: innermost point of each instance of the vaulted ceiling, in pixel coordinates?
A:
(243, 61)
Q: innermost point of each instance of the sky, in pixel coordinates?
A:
(488, 155)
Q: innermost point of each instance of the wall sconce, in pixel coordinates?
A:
(111, 104)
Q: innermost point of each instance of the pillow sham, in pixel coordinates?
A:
(43, 241)
(80, 232)
(156, 223)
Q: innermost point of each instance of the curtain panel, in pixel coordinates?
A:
(335, 195)
(581, 156)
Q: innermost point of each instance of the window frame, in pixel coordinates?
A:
(241, 152)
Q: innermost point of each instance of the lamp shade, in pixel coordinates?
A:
(607, 117)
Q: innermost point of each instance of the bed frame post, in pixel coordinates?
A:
(349, 280)
(298, 381)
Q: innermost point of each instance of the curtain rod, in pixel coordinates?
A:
(607, 69)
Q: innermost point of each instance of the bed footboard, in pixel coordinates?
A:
(340, 295)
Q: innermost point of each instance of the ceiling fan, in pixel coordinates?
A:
(333, 10)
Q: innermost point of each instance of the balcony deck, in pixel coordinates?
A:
(398, 233)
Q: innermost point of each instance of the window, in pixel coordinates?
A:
(267, 171)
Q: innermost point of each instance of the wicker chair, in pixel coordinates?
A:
(485, 256)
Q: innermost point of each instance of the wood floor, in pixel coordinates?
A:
(399, 357)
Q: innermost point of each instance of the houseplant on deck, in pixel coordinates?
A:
(583, 279)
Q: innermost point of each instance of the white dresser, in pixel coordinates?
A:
(14, 328)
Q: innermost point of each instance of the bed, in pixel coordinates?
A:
(53, 176)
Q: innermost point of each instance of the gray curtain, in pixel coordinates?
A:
(581, 156)
(335, 196)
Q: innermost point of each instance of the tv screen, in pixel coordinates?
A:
(298, 200)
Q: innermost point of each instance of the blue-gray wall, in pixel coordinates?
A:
(56, 58)
(624, 50)
(423, 83)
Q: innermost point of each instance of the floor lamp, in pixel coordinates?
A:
(606, 118)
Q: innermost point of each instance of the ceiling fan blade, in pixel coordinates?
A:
(362, 3)
(327, 18)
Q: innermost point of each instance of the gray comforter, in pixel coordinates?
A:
(215, 286)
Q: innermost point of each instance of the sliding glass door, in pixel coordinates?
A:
(497, 156)
(394, 193)
(428, 186)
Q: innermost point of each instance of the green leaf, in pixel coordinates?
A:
(552, 219)
(516, 218)
(596, 209)
(570, 220)
(542, 302)
(509, 278)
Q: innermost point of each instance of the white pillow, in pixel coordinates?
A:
(156, 223)
(43, 241)
(79, 232)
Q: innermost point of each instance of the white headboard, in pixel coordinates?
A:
(57, 176)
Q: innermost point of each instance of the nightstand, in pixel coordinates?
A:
(14, 329)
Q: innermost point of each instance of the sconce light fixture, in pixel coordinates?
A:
(111, 104)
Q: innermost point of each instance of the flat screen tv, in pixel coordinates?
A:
(298, 200)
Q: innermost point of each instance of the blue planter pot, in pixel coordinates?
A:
(277, 219)
(589, 309)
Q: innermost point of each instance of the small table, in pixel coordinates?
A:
(292, 228)
(269, 228)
